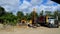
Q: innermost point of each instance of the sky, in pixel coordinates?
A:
(27, 5)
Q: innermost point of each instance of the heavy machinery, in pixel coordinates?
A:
(48, 21)
(44, 20)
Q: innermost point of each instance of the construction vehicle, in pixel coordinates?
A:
(48, 21)
(33, 20)
(44, 20)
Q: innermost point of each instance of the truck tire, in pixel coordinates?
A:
(30, 25)
(38, 25)
(57, 26)
(53, 26)
(34, 26)
(49, 25)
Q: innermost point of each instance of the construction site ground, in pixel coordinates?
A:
(27, 30)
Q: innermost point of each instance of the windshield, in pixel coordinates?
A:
(50, 18)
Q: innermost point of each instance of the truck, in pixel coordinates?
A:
(48, 21)
(44, 20)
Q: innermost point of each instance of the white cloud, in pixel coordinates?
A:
(24, 5)
(9, 2)
(58, 7)
(48, 8)
(10, 5)
(50, 2)
(36, 2)
(27, 7)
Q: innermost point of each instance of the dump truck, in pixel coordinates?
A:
(44, 20)
(48, 21)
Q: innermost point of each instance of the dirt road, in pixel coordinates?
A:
(39, 30)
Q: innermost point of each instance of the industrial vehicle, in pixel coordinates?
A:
(48, 21)
(44, 20)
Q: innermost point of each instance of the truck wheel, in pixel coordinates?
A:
(30, 25)
(34, 26)
(50, 26)
(57, 26)
(38, 25)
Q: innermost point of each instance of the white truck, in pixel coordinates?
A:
(53, 22)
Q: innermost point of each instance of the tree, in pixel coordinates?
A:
(48, 13)
(55, 14)
(59, 15)
(33, 14)
(2, 11)
(27, 16)
(7, 17)
(41, 13)
(20, 15)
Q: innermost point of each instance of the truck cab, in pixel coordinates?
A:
(52, 22)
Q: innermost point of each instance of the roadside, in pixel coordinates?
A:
(25, 30)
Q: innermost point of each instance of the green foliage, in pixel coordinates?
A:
(59, 15)
(32, 14)
(48, 13)
(55, 13)
(41, 13)
(27, 16)
(2, 11)
(20, 14)
(9, 18)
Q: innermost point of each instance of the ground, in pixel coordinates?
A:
(25, 30)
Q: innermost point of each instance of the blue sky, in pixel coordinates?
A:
(27, 5)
